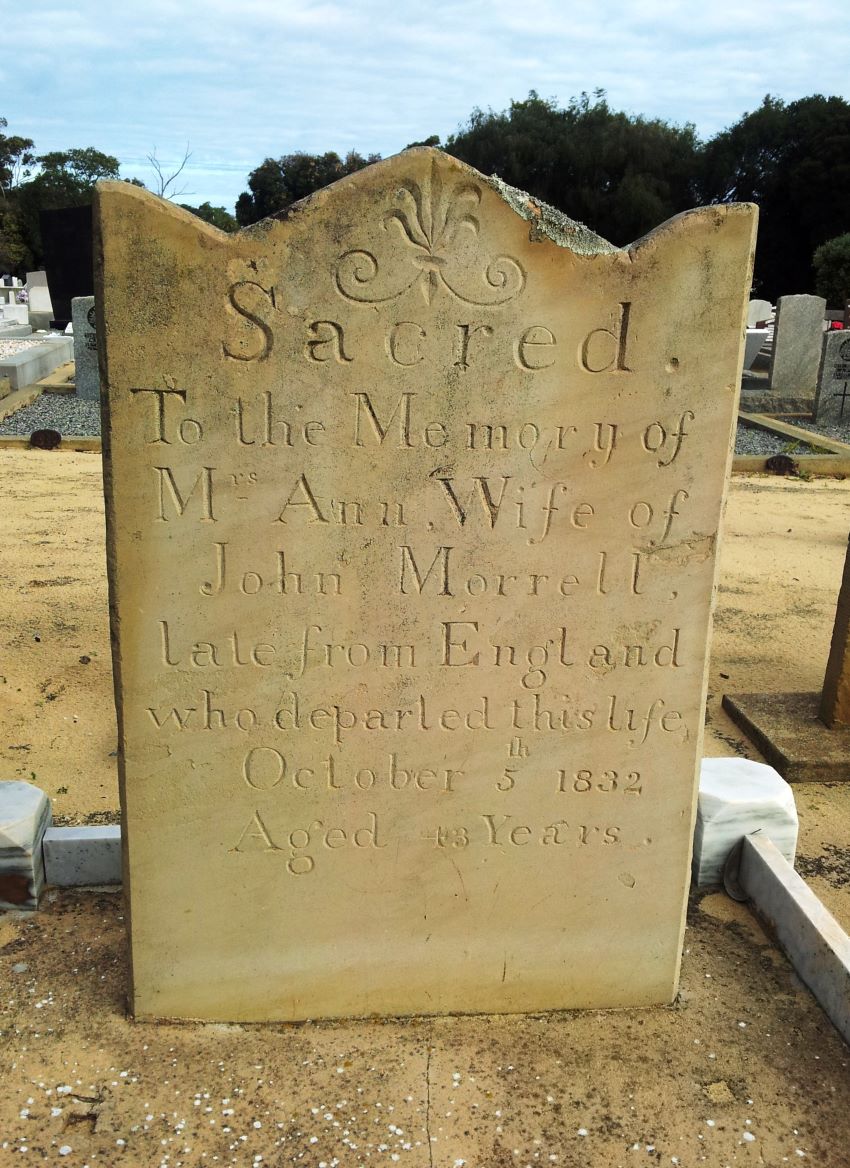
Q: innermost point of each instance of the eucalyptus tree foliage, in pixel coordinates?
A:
(620, 174)
(794, 161)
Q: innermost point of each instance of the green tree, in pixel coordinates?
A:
(619, 174)
(277, 183)
(432, 140)
(14, 253)
(831, 263)
(794, 161)
(217, 216)
(65, 178)
(16, 159)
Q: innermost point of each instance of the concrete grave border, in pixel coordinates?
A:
(77, 443)
(797, 433)
(811, 937)
(30, 365)
(60, 380)
(17, 399)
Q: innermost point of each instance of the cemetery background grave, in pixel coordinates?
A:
(25, 360)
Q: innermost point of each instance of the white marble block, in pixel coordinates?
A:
(24, 817)
(737, 797)
(83, 855)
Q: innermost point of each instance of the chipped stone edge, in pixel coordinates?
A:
(550, 223)
(816, 945)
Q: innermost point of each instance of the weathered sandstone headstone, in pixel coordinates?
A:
(797, 344)
(413, 501)
(832, 403)
(86, 375)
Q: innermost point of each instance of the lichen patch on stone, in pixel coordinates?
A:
(547, 222)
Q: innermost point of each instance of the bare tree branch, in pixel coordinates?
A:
(165, 183)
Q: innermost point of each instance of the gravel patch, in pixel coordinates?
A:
(12, 346)
(52, 411)
(838, 430)
(752, 440)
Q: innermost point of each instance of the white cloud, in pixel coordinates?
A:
(243, 80)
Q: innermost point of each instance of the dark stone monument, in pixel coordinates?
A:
(66, 236)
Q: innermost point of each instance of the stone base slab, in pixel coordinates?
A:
(14, 313)
(787, 731)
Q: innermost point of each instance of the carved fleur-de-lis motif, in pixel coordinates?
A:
(430, 222)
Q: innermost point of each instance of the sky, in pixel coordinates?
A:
(236, 83)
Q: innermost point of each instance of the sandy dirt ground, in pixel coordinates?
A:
(744, 1069)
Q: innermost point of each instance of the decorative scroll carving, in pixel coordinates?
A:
(429, 220)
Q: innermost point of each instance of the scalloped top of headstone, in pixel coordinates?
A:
(437, 193)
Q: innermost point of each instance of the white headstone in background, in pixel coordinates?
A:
(758, 312)
(39, 293)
